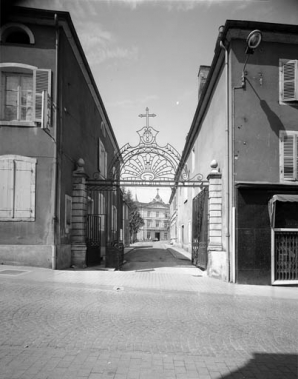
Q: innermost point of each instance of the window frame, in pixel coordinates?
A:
(102, 159)
(41, 95)
(294, 79)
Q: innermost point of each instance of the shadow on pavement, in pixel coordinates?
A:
(268, 366)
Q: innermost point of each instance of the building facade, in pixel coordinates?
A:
(245, 127)
(54, 135)
(156, 216)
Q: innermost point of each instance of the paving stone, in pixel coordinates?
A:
(164, 323)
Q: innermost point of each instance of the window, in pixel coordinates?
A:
(288, 155)
(148, 213)
(157, 214)
(25, 94)
(103, 128)
(288, 80)
(68, 212)
(157, 224)
(101, 204)
(102, 159)
(114, 218)
(16, 33)
(193, 159)
(17, 188)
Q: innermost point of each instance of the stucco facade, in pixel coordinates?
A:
(156, 220)
(242, 124)
(72, 125)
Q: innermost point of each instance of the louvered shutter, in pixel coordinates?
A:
(296, 155)
(24, 189)
(289, 81)
(6, 188)
(105, 163)
(288, 156)
(99, 155)
(42, 83)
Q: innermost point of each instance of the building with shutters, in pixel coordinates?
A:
(156, 215)
(51, 118)
(242, 225)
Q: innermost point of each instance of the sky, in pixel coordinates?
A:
(147, 53)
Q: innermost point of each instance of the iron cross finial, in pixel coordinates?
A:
(147, 115)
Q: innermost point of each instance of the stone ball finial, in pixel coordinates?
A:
(214, 166)
(80, 162)
(80, 166)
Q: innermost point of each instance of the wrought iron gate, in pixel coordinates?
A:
(285, 256)
(93, 239)
(200, 229)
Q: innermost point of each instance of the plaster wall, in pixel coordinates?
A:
(209, 145)
(258, 115)
(31, 242)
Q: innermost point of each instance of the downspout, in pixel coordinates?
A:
(227, 163)
(233, 197)
(56, 164)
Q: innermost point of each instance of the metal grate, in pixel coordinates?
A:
(286, 255)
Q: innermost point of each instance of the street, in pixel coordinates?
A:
(159, 317)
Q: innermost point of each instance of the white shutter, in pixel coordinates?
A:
(6, 188)
(289, 81)
(24, 190)
(296, 155)
(99, 154)
(46, 110)
(41, 82)
(287, 156)
(105, 164)
(102, 156)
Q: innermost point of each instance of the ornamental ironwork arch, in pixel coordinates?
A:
(149, 164)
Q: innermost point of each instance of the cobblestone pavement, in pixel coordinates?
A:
(158, 318)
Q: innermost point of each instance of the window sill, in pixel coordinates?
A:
(18, 123)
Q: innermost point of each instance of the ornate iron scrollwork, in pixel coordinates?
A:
(147, 161)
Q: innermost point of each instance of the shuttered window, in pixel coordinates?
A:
(288, 80)
(102, 159)
(17, 188)
(25, 94)
(289, 155)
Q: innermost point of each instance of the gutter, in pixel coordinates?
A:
(228, 164)
(56, 152)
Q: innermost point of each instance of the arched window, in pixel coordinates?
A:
(16, 33)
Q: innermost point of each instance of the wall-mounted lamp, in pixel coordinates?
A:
(253, 40)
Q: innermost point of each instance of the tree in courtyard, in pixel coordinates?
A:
(135, 219)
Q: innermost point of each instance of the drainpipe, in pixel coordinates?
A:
(233, 197)
(56, 164)
(228, 144)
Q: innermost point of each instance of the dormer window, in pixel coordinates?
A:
(14, 33)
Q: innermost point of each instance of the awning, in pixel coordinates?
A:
(274, 199)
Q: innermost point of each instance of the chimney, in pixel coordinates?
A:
(202, 75)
